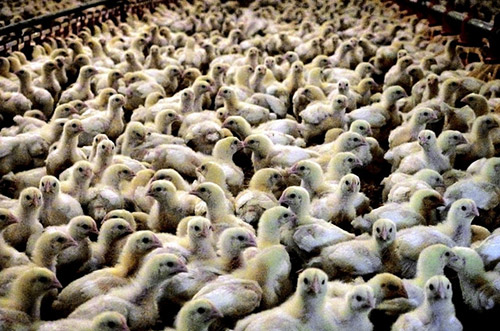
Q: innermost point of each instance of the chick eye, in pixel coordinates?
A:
(235, 142)
(53, 184)
(390, 230)
(85, 227)
(241, 238)
(448, 286)
(488, 121)
(43, 279)
(306, 281)
(121, 227)
(293, 196)
(28, 197)
(158, 189)
(2, 217)
(347, 183)
(463, 208)
(111, 324)
(285, 215)
(203, 189)
(231, 122)
(275, 176)
(426, 113)
(43, 184)
(103, 147)
(350, 159)
(60, 240)
(170, 115)
(447, 254)
(73, 125)
(201, 310)
(170, 264)
(378, 230)
(197, 228)
(356, 139)
(431, 287)
(302, 168)
(145, 240)
(455, 137)
(428, 137)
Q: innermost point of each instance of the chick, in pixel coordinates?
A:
(66, 152)
(419, 210)
(196, 315)
(22, 303)
(265, 153)
(340, 165)
(352, 311)
(136, 302)
(78, 183)
(102, 281)
(306, 309)
(9, 256)
(58, 208)
(251, 203)
(39, 97)
(360, 257)
(223, 153)
(169, 208)
(410, 131)
(232, 243)
(107, 195)
(252, 113)
(436, 312)
(81, 90)
(22, 235)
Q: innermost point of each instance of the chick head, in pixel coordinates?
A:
(348, 141)
(312, 282)
(136, 133)
(297, 67)
(322, 61)
(38, 280)
(73, 128)
(115, 74)
(82, 170)
(257, 142)
(361, 298)
(109, 321)
(197, 315)
(387, 286)
(485, 123)
(431, 199)
(350, 184)
(435, 257)
(49, 66)
(463, 210)
(208, 192)
(404, 61)
(426, 138)
(438, 288)
(234, 240)
(141, 242)
(30, 197)
(294, 197)
(367, 84)
(280, 215)
(431, 177)
(161, 190)
(173, 71)
(116, 101)
(105, 148)
(305, 169)
(166, 117)
(166, 174)
(55, 241)
(384, 231)
(114, 228)
(393, 94)
(209, 169)
(119, 171)
(88, 71)
(269, 62)
(362, 127)
(129, 56)
(339, 102)
(452, 138)
(312, 92)
(343, 85)
(201, 87)
(23, 74)
(49, 186)
(64, 111)
(260, 70)
(6, 218)
(81, 227)
(199, 227)
(267, 177)
(425, 115)
(161, 266)
(79, 105)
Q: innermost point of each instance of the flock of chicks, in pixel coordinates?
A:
(197, 166)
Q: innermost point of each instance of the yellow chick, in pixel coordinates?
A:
(58, 208)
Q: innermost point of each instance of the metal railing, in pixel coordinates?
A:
(24, 35)
(471, 30)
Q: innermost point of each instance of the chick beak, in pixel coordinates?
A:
(195, 193)
(441, 202)
(149, 193)
(434, 116)
(400, 293)
(441, 291)
(157, 243)
(292, 170)
(47, 189)
(70, 243)
(37, 202)
(474, 212)
(55, 284)
(283, 202)
(94, 231)
(182, 268)
(358, 163)
(251, 242)
(315, 286)
(293, 220)
(73, 111)
(384, 234)
(205, 232)
(240, 146)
